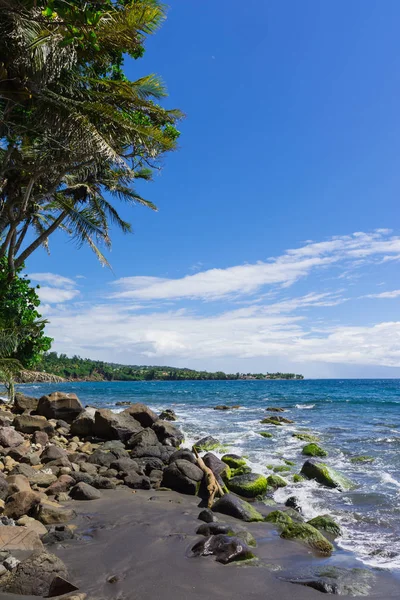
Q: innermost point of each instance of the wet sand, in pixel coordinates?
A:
(140, 540)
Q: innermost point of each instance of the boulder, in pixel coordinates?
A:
(313, 450)
(225, 548)
(207, 516)
(24, 403)
(326, 525)
(18, 483)
(21, 503)
(326, 475)
(22, 469)
(19, 538)
(234, 461)
(4, 487)
(308, 535)
(168, 434)
(32, 423)
(63, 484)
(83, 425)
(42, 478)
(112, 426)
(155, 451)
(60, 405)
(146, 437)
(40, 437)
(51, 453)
(142, 413)
(276, 420)
(49, 513)
(33, 525)
(60, 586)
(294, 502)
(102, 458)
(125, 465)
(305, 437)
(226, 407)
(207, 443)
(279, 517)
(84, 491)
(57, 534)
(219, 468)
(235, 507)
(155, 477)
(19, 452)
(275, 481)
(9, 438)
(103, 483)
(183, 476)
(149, 463)
(183, 455)
(137, 482)
(276, 409)
(34, 575)
(168, 415)
(249, 485)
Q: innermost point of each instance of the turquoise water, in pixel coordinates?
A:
(351, 417)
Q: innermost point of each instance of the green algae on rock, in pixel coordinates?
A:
(276, 420)
(325, 475)
(326, 524)
(240, 471)
(314, 449)
(308, 535)
(249, 485)
(281, 468)
(305, 437)
(234, 461)
(207, 444)
(275, 481)
(362, 459)
(265, 434)
(298, 478)
(279, 517)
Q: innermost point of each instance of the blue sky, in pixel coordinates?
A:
(255, 260)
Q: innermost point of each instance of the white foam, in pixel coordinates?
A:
(305, 406)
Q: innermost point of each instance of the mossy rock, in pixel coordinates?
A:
(325, 475)
(290, 463)
(275, 481)
(281, 468)
(240, 471)
(207, 444)
(326, 524)
(279, 517)
(313, 450)
(236, 507)
(276, 420)
(306, 437)
(362, 459)
(308, 535)
(245, 536)
(249, 485)
(265, 434)
(234, 461)
(270, 467)
(298, 478)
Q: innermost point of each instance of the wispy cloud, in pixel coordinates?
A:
(283, 271)
(58, 289)
(52, 279)
(56, 295)
(391, 294)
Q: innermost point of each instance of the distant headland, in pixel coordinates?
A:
(84, 369)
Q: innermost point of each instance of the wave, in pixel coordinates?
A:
(305, 406)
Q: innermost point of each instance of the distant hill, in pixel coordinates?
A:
(77, 368)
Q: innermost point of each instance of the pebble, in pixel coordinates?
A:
(11, 563)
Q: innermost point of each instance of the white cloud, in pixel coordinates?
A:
(392, 294)
(283, 271)
(52, 279)
(56, 295)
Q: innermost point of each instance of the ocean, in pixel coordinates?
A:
(351, 418)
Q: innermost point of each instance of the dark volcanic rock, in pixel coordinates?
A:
(219, 468)
(60, 586)
(103, 483)
(85, 477)
(293, 502)
(214, 529)
(102, 458)
(9, 438)
(207, 443)
(83, 425)
(84, 491)
(137, 482)
(142, 451)
(183, 455)
(59, 533)
(40, 437)
(146, 437)
(168, 434)
(35, 574)
(142, 413)
(225, 548)
(32, 423)
(60, 405)
(168, 415)
(207, 516)
(125, 465)
(112, 426)
(149, 463)
(183, 476)
(233, 506)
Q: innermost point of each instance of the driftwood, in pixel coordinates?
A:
(213, 487)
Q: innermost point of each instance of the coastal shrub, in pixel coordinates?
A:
(314, 450)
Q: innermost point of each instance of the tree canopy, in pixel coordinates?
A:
(75, 133)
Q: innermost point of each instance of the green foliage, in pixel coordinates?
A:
(18, 313)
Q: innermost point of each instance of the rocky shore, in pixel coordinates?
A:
(63, 466)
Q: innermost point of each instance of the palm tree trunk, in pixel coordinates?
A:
(39, 240)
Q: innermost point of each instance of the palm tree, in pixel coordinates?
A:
(73, 129)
